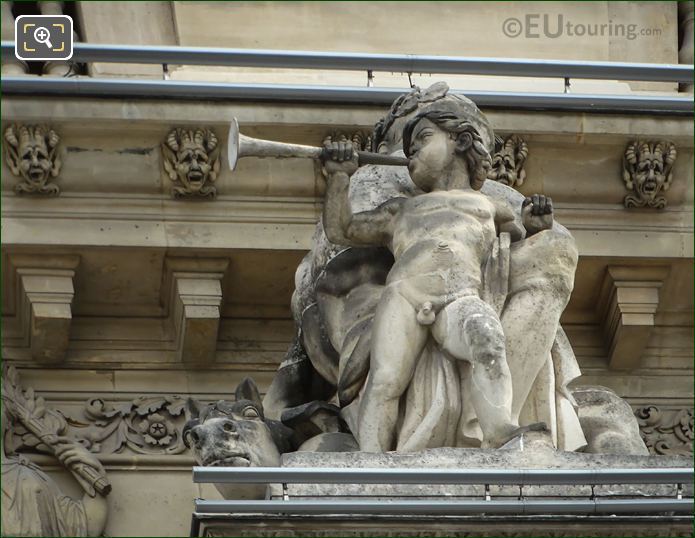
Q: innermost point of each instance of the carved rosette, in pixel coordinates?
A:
(666, 432)
(145, 425)
(191, 160)
(508, 161)
(647, 172)
(31, 153)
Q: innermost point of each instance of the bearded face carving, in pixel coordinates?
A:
(31, 153)
(508, 161)
(192, 162)
(647, 170)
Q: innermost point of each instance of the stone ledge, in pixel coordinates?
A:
(534, 456)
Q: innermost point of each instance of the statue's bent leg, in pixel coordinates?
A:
(468, 329)
(397, 341)
(541, 280)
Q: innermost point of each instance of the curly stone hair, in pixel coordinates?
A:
(469, 143)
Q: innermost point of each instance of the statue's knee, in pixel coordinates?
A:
(485, 339)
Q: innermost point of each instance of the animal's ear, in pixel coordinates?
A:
(247, 390)
(194, 407)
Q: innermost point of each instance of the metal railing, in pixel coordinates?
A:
(138, 88)
(399, 63)
(594, 505)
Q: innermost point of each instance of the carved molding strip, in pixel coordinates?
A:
(667, 432)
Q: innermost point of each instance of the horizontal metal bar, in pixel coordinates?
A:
(406, 63)
(175, 89)
(422, 507)
(295, 475)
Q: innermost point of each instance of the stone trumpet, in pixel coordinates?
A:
(240, 145)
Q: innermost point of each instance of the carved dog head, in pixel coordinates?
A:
(31, 153)
(647, 170)
(192, 161)
(508, 161)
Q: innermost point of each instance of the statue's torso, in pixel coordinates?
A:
(440, 240)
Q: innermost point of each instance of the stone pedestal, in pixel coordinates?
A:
(532, 453)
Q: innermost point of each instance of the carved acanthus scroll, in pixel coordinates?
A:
(666, 432)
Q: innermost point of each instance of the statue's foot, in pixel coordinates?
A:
(515, 440)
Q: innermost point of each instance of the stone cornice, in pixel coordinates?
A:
(112, 111)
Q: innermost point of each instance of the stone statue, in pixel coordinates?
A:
(338, 288)
(440, 240)
(31, 152)
(32, 503)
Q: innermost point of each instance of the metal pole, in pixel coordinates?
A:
(460, 507)
(441, 476)
(158, 89)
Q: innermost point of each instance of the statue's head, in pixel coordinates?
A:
(508, 161)
(191, 160)
(647, 170)
(388, 132)
(441, 133)
(30, 152)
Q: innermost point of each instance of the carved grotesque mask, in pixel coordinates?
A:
(31, 153)
(191, 160)
(508, 161)
(647, 171)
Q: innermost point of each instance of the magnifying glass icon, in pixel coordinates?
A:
(43, 36)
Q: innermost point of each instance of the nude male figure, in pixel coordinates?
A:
(440, 240)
